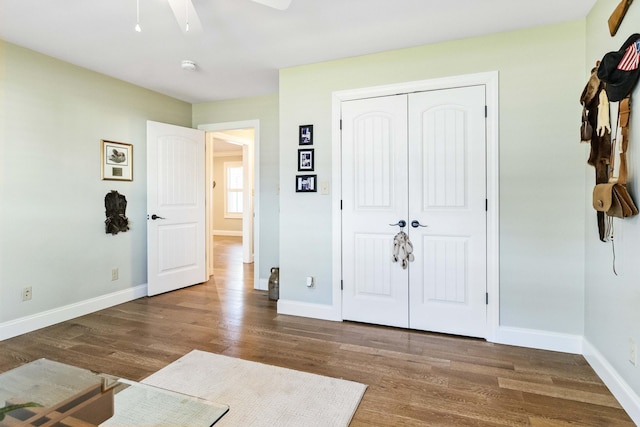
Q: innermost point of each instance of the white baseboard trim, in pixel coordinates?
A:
(542, 340)
(227, 233)
(31, 323)
(629, 400)
(263, 284)
(305, 309)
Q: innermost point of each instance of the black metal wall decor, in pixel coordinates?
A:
(115, 206)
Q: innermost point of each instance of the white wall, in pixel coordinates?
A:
(52, 118)
(541, 74)
(612, 309)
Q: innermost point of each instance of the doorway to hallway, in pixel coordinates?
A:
(231, 188)
(246, 136)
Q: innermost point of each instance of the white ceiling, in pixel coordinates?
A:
(239, 45)
(230, 141)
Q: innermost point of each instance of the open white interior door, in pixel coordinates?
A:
(175, 207)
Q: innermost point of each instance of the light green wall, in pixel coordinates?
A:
(612, 313)
(265, 109)
(52, 118)
(541, 74)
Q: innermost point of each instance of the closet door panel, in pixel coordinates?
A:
(447, 192)
(374, 195)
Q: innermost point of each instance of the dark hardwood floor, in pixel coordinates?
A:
(414, 378)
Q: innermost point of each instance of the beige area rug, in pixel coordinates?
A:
(259, 394)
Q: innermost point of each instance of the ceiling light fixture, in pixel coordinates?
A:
(138, 28)
(189, 65)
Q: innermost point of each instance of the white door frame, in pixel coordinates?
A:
(250, 223)
(490, 80)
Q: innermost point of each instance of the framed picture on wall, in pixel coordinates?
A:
(306, 135)
(306, 184)
(117, 161)
(305, 159)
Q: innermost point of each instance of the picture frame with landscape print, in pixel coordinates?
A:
(117, 161)
(305, 159)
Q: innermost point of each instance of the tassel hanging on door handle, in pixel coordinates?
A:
(402, 250)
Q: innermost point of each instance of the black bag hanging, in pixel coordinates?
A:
(115, 206)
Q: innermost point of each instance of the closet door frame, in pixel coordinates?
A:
(490, 81)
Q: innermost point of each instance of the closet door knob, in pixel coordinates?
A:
(402, 224)
(415, 224)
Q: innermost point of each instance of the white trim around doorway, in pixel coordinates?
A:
(490, 81)
(254, 153)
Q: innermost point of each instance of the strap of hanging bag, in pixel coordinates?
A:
(624, 111)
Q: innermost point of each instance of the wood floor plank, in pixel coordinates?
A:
(414, 378)
(560, 392)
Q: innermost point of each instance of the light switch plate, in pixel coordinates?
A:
(324, 187)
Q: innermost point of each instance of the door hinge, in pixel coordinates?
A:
(486, 112)
(341, 284)
(340, 124)
(486, 298)
(340, 204)
(486, 205)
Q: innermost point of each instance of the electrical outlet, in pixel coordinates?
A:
(114, 274)
(633, 351)
(26, 293)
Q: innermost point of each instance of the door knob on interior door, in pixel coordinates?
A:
(402, 224)
(415, 224)
(154, 217)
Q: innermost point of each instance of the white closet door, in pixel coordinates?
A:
(374, 195)
(447, 193)
(417, 157)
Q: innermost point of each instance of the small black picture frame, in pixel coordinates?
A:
(305, 159)
(305, 135)
(306, 184)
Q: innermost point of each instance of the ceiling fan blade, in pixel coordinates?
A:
(276, 4)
